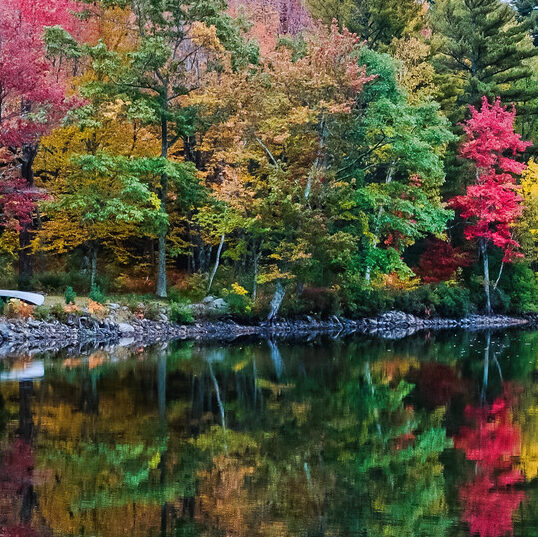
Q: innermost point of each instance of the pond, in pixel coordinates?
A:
(432, 435)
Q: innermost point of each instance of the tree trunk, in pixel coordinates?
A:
(163, 191)
(217, 261)
(26, 261)
(485, 260)
(93, 264)
(276, 302)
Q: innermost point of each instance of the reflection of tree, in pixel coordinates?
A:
(17, 471)
(318, 440)
(492, 441)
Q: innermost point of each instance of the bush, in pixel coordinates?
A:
(41, 313)
(152, 311)
(238, 299)
(69, 295)
(58, 313)
(192, 287)
(453, 300)
(17, 309)
(181, 313)
(520, 283)
(96, 294)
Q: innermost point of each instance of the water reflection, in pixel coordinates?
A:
(432, 435)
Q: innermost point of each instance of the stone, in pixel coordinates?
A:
(125, 328)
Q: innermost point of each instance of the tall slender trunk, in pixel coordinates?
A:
(485, 260)
(163, 191)
(217, 261)
(93, 263)
(26, 260)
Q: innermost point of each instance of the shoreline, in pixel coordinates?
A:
(35, 336)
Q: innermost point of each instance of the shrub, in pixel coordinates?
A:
(181, 313)
(96, 309)
(321, 300)
(453, 300)
(96, 294)
(238, 299)
(41, 313)
(193, 287)
(69, 295)
(152, 311)
(17, 309)
(58, 313)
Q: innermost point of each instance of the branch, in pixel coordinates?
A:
(267, 151)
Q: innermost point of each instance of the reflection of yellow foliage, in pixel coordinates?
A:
(527, 418)
(397, 368)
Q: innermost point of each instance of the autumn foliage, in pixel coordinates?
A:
(492, 441)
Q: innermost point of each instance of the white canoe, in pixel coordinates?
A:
(32, 298)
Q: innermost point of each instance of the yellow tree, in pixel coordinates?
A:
(528, 223)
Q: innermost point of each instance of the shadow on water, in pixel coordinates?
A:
(431, 435)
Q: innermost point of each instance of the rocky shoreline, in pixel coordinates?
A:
(53, 335)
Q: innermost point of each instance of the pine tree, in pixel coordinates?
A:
(528, 9)
(484, 50)
(378, 22)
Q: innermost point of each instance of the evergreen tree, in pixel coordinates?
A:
(378, 22)
(528, 9)
(483, 50)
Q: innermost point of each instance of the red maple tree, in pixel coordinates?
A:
(492, 204)
(32, 100)
(440, 261)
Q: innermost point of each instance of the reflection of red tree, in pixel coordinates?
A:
(437, 384)
(16, 485)
(490, 499)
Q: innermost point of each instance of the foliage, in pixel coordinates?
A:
(237, 299)
(180, 312)
(69, 295)
(96, 294)
(304, 149)
(18, 309)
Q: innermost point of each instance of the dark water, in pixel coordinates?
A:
(433, 435)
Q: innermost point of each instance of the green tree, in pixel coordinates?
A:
(482, 49)
(176, 43)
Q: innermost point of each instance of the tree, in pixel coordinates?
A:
(393, 156)
(269, 149)
(32, 99)
(293, 17)
(378, 22)
(105, 199)
(527, 227)
(528, 11)
(492, 203)
(440, 261)
(176, 45)
(483, 50)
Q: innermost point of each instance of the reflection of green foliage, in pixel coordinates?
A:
(332, 429)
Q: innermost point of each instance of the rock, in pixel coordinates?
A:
(126, 328)
(113, 306)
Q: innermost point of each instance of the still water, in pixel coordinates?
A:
(432, 435)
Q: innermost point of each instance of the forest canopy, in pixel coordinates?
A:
(293, 157)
